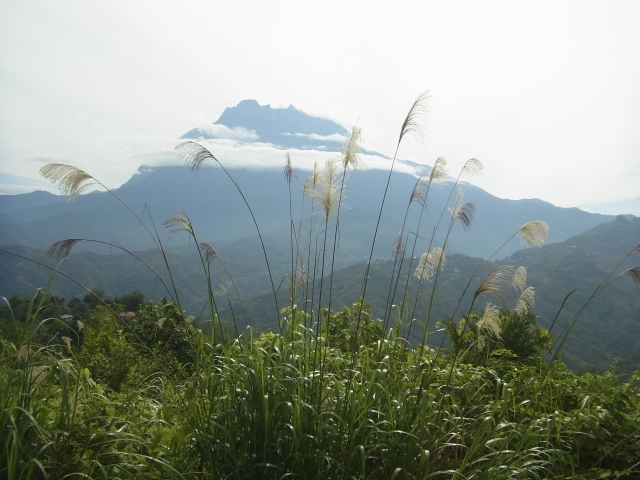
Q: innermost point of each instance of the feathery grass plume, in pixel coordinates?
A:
(351, 150)
(424, 270)
(525, 302)
(413, 122)
(301, 272)
(412, 125)
(210, 253)
(419, 192)
(438, 172)
(71, 180)
(634, 273)
(494, 281)
(181, 223)
(421, 189)
(316, 176)
(328, 191)
(462, 212)
(306, 188)
(489, 324)
(534, 233)
(519, 280)
(288, 169)
(429, 263)
(473, 166)
(62, 249)
(397, 250)
(194, 154)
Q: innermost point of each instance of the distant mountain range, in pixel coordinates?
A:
(581, 246)
(39, 219)
(608, 328)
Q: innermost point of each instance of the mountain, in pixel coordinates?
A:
(281, 127)
(579, 250)
(608, 327)
(605, 327)
(219, 214)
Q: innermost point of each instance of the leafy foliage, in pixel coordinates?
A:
(268, 406)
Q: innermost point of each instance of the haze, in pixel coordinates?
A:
(545, 94)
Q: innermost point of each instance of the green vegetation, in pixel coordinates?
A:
(90, 390)
(155, 399)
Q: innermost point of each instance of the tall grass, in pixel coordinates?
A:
(338, 394)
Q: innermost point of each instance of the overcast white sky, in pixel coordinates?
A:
(545, 94)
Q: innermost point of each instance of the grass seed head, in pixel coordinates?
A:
(351, 150)
(288, 169)
(519, 280)
(473, 166)
(413, 122)
(525, 302)
(328, 191)
(71, 180)
(398, 247)
(181, 223)
(429, 264)
(194, 155)
(534, 233)
(62, 249)
(439, 171)
(210, 253)
(488, 325)
(494, 282)
(462, 212)
(634, 273)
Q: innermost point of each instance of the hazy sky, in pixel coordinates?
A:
(545, 94)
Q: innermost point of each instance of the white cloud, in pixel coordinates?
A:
(335, 137)
(11, 189)
(222, 131)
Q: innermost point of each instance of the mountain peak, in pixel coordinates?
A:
(249, 103)
(282, 127)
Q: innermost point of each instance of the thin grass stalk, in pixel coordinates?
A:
(62, 249)
(471, 166)
(301, 270)
(74, 181)
(411, 126)
(633, 272)
(350, 153)
(532, 233)
(487, 286)
(244, 314)
(436, 174)
(182, 223)
(289, 175)
(55, 271)
(399, 251)
(464, 214)
(309, 189)
(195, 155)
